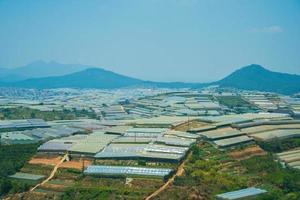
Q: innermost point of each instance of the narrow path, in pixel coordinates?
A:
(180, 171)
(52, 173)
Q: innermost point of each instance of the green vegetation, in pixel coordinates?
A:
(237, 103)
(209, 172)
(83, 193)
(101, 193)
(277, 146)
(37, 169)
(12, 159)
(206, 173)
(26, 113)
(87, 187)
(282, 183)
(72, 184)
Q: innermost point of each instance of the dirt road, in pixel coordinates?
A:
(52, 173)
(180, 171)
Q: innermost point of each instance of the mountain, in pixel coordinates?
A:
(39, 69)
(88, 78)
(255, 77)
(252, 77)
(93, 78)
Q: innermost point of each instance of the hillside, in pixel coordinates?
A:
(89, 78)
(252, 77)
(255, 77)
(40, 74)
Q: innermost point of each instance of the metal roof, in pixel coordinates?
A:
(56, 145)
(142, 151)
(175, 141)
(27, 176)
(221, 133)
(248, 192)
(291, 158)
(282, 134)
(14, 136)
(90, 144)
(26, 123)
(182, 134)
(232, 141)
(124, 170)
(133, 140)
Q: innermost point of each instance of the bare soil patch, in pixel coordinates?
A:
(73, 164)
(247, 153)
(76, 164)
(45, 161)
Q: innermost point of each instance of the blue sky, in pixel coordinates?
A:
(164, 40)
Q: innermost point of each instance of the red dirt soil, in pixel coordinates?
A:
(247, 153)
(74, 164)
(45, 161)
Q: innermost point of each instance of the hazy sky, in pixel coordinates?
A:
(165, 40)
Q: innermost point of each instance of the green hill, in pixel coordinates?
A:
(255, 77)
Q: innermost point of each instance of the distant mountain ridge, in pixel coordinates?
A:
(88, 78)
(92, 78)
(252, 77)
(39, 69)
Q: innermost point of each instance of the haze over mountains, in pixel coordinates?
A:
(43, 75)
(39, 69)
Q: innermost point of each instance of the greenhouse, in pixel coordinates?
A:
(241, 194)
(124, 170)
